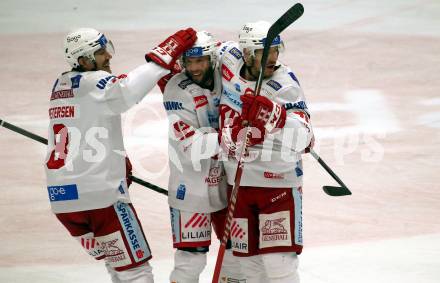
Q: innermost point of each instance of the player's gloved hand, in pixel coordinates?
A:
(164, 80)
(166, 53)
(310, 146)
(261, 112)
(128, 171)
(232, 137)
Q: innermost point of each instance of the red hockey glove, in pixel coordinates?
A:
(128, 171)
(231, 137)
(162, 83)
(261, 112)
(166, 53)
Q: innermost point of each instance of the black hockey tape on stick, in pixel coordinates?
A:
(38, 138)
(331, 190)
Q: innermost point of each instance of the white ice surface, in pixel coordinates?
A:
(398, 260)
(405, 260)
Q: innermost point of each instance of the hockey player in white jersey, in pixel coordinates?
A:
(85, 164)
(197, 184)
(266, 230)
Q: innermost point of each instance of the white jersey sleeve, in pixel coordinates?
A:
(297, 132)
(196, 182)
(277, 162)
(85, 162)
(114, 95)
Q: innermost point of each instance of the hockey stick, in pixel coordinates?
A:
(38, 138)
(331, 190)
(281, 24)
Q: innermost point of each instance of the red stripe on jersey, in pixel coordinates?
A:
(197, 221)
(191, 220)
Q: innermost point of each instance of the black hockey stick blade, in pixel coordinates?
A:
(290, 16)
(331, 190)
(336, 191)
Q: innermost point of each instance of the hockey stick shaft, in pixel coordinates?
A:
(344, 189)
(40, 139)
(22, 131)
(281, 24)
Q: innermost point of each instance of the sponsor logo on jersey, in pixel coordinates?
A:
(200, 101)
(64, 93)
(271, 175)
(175, 224)
(75, 81)
(181, 190)
(197, 227)
(113, 253)
(223, 49)
(92, 247)
(297, 196)
(214, 177)
(173, 105)
(121, 188)
(234, 51)
(185, 83)
(103, 82)
(226, 73)
(62, 112)
(232, 97)
(132, 231)
(292, 75)
(237, 87)
(274, 84)
(198, 220)
(298, 169)
(239, 236)
(297, 105)
(275, 229)
(196, 235)
(278, 197)
(63, 193)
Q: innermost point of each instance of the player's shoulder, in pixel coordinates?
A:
(230, 49)
(286, 75)
(282, 80)
(87, 80)
(178, 85)
(99, 79)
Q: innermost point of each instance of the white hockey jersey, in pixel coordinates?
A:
(85, 162)
(276, 162)
(197, 181)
